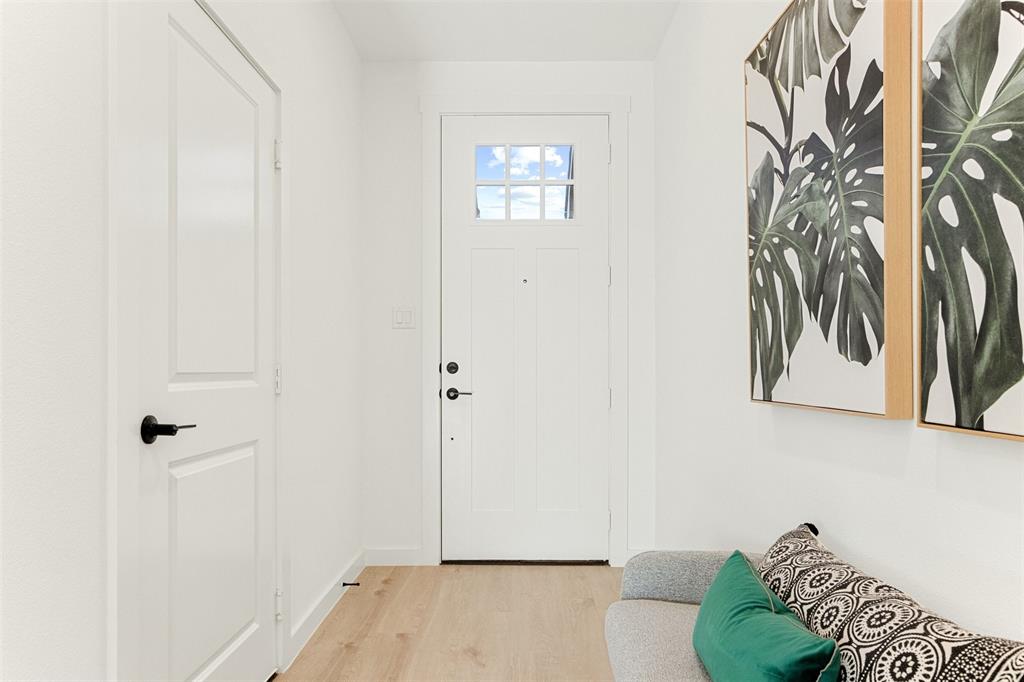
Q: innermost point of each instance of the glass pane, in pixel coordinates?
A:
(558, 162)
(525, 202)
(490, 162)
(490, 202)
(559, 202)
(524, 163)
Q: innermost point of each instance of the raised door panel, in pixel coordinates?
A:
(492, 331)
(558, 379)
(214, 217)
(213, 556)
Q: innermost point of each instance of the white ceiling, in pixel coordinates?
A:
(507, 30)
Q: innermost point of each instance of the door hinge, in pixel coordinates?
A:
(278, 604)
(609, 275)
(277, 154)
(609, 153)
(609, 520)
(609, 397)
(277, 380)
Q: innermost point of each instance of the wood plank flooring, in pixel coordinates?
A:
(465, 623)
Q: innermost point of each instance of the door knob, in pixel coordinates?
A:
(151, 428)
(454, 393)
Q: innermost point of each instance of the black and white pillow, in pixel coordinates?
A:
(883, 635)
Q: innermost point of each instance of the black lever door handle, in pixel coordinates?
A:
(454, 393)
(151, 428)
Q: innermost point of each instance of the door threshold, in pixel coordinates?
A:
(525, 562)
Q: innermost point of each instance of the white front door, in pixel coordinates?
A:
(199, 123)
(524, 338)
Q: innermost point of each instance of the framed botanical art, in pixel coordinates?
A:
(829, 175)
(972, 233)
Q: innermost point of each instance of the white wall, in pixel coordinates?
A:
(391, 250)
(937, 514)
(53, 340)
(53, 321)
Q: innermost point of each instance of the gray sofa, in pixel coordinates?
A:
(649, 631)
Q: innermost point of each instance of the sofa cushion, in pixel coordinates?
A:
(650, 640)
(744, 632)
(883, 634)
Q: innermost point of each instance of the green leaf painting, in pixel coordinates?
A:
(850, 276)
(811, 254)
(972, 161)
(776, 314)
(790, 55)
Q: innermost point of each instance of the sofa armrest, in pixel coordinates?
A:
(673, 576)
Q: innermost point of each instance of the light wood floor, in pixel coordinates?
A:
(465, 623)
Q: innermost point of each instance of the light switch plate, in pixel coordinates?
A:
(403, 318)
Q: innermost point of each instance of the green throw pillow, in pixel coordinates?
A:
(745, 632)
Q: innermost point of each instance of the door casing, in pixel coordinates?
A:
(432, 109)
(124, 314)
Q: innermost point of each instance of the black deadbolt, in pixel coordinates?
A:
(151, 428)
(452, 367)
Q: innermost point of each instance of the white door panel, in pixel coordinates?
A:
(558, 334)
(214, 143)
(525, 316)
(492, 355)
(204, 120)
(218, 550)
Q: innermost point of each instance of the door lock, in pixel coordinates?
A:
(452, 367)
(151, 428)
(454, 393)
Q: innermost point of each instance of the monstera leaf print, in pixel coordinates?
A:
(972, 160)
(850, 269)
(776, 312)
(790, 55)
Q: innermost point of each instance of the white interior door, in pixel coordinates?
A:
(201, 121)
(525, 318)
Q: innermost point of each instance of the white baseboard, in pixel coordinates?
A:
(414, 556)
(302, 628)
(397, 556)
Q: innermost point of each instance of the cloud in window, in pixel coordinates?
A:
(497, 157)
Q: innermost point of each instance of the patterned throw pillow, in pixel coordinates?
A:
(883, 635)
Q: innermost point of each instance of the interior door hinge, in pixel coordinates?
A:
(609, 520)
(277, 380)
(609, 153)
(277, 154)
(609, 397)
(609, 275)
(278, 604)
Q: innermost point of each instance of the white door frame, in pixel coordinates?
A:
(124, 314)
(432, 108)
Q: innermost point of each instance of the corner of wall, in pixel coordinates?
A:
(303, 628)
